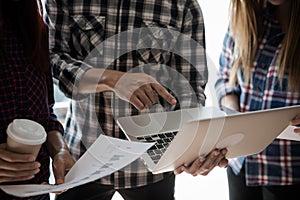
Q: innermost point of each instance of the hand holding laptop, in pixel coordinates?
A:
(291, 132)
(296, 122)
(204, 165)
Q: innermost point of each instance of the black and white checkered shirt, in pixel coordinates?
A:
(163, 38)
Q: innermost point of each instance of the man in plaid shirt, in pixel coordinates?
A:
(115, 58)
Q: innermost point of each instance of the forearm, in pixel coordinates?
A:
(99, 80)
(62, 160)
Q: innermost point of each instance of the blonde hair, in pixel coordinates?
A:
(246, 25)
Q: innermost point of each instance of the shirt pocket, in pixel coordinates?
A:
(86, 33)
(156, 41)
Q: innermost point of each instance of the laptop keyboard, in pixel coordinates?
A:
(162, 141)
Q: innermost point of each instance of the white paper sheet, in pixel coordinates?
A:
(105, 156)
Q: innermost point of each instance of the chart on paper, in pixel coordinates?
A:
(105, 156)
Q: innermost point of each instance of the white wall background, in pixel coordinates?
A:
(216, 22)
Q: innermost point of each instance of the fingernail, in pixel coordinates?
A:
(37, 165)
(224, 151)
(178, 171)
(30, 177)
(36, 171)
(174, 101)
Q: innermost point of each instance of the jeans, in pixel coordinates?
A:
(239, 191)
(162, 190)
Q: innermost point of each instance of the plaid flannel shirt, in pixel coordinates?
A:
(24, 93)
(129, 36)
(279, 163)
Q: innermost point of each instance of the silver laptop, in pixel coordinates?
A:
(161, 128)
(197, 131)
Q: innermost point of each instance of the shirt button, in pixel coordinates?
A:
(82, 23)
(263, 65)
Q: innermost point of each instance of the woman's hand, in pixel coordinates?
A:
(16, 167)
(296, 122)
(61, 164)
(204, 165)
(62, 161)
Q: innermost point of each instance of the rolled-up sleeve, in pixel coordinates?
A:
(222, 86)
(66, 69)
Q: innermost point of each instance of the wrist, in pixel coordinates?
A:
(56, 144)
(109, 79)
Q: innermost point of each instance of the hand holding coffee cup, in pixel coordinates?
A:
(25, 136)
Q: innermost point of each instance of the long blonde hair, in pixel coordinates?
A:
(246, 25)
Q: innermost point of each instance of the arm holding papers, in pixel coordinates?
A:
(105, 156)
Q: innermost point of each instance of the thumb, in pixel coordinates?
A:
(59, 172)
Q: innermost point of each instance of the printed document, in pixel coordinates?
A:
(105, 156)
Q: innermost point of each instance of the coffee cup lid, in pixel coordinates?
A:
(26, 132)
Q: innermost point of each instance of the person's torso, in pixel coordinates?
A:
(23, 93)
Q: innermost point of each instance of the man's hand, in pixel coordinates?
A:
(141, 90)
(204, 165)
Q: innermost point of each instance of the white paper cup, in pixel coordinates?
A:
(25, 136)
